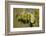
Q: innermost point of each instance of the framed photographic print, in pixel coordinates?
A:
(24, 17)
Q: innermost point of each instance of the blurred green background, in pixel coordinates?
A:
(17, 13)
